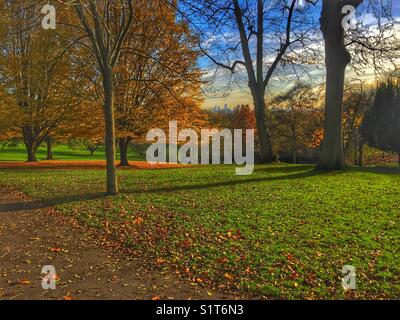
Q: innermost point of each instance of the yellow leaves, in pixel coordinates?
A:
(317, 137)
(229, 276)
(196, 281)
(160, 261)
(156, 298)
(24, 282)
(235, 235)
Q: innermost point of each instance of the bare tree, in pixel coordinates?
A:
(259, 36)
(107, 25)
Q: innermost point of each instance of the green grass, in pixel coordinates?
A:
(60, 152)
(283, 232)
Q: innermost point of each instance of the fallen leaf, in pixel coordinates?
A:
(199, 280)
(223, 260)
(138, 221)
(228, 276)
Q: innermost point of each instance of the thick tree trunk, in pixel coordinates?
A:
(262, 128)
(336, 59)
(294, 157)
(123, 151)
(331, 156)
(30, 144)
(112, 187)
(31, 153)
(49, 149)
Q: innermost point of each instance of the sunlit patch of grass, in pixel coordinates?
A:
(60, 152)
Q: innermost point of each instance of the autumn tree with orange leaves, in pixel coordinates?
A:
(37, 75)
(157, 80)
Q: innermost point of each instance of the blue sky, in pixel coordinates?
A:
(233, 90)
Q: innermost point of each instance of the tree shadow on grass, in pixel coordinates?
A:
(47, 203)
(378, 169)
(227, 183)
(285, 168)
(296, 172)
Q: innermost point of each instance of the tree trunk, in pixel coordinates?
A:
(123, 150)
(336, 59)
(360, 161)
(294, 145)
(30, 144)
(31, 153)
(49, 149)
(112, 187)
(294, 157)
(256, 81)
(262, 128)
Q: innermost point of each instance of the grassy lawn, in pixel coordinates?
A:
(61, 152)
(283, 232)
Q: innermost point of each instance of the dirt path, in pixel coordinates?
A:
(31, 238)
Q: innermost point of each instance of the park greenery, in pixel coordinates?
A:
(326, 186)
(283, 232)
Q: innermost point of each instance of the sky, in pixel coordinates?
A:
(233, 90)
